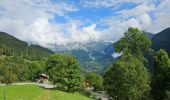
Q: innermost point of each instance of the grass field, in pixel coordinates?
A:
(34, 92)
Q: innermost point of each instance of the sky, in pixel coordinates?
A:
(59, 22)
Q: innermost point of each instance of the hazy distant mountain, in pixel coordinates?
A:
(162, 40)
(90, 46)
(93, 56)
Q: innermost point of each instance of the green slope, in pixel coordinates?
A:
(13, 43)
(21, 48)
(38, 51)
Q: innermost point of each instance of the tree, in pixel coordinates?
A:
(161, 76)
(64, 72)
(95, 80)
(134, 42)
(34, 69)
(127, 79)
(1, 59)
(7, 75)
(5, 50)
(16, 66)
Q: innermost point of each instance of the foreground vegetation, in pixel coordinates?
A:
(33, 92)
(131, 77)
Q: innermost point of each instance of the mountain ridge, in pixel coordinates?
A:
(162, 40)
(21, 48)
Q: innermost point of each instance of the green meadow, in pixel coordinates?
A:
(34, 92)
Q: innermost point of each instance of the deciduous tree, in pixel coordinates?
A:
(161, 76)
(64, 72)
(96, 80)
(127, 79)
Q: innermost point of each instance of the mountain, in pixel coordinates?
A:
(162, 40)
(93, 45)
(15, 44)
(22, 48)
(150, 35)
(93, 56)
(38, 51)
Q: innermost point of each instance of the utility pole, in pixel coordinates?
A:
(4, 93)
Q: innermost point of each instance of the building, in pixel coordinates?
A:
(86, 84)
(88, 87)
(43, 78)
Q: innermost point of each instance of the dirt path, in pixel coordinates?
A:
(46, 95)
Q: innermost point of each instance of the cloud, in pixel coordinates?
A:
(28, 11)
(145, 19)
(85, 34)
(146, 16)
(162, 15)
(116, 27)
(110, 3)
(138, 10)
(115, 55)
(44, 33)
(30, 20)
(35, 7)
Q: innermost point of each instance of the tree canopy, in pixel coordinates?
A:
(127, 79)
(134, 42)
(161, 76)
(64, 72)
(95, 80)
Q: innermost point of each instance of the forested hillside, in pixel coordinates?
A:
(20, 61)
(162, 40)
(10, 45)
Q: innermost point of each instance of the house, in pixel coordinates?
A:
(87, 86)
(43, 78)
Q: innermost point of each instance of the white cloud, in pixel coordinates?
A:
(32, 8)
(84, 34)
(11, 26)
(111, 3)
(162, 15)
(30, 20)
(138, 10)
(115, 55)
(137, 16)
(116, 27)
(145, 16)
(145, 20)
(42, 32)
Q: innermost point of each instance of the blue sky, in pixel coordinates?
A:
(90, 14)
(60, 22)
